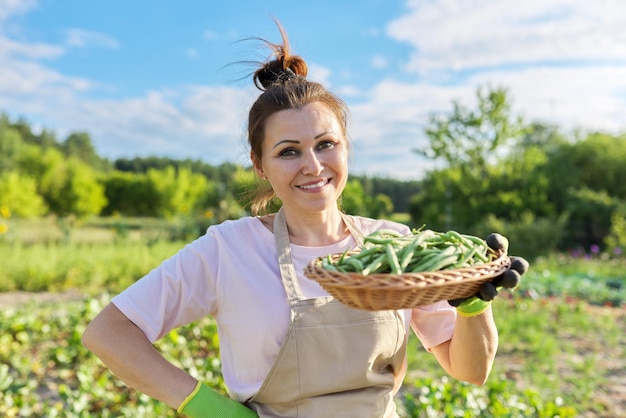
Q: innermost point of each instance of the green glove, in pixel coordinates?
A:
(472, 307)
(204, 402)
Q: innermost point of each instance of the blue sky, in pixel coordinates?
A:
(160, 77)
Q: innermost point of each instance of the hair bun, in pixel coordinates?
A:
(282, 67)
(276, 71)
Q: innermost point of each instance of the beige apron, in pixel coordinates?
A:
(335, 361)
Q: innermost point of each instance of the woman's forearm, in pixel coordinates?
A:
(124, 348)
(469, 355)
(473, 347)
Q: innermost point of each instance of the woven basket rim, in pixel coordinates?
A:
(315, 265)
(424, 288)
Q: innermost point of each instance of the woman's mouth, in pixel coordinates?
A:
(316, 185)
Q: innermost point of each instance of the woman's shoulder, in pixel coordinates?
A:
(245, 226)
(369, 225)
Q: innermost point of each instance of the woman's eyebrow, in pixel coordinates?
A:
(323, 134)
(287, 141)
(293, 141)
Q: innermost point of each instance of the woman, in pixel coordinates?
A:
(288, 349)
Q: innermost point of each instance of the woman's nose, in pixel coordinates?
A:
(312, 164)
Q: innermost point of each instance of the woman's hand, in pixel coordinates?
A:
(509, 279)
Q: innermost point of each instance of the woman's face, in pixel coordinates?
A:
(305, 157)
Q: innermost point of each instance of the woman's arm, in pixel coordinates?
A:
(124, 348)
(470, 354)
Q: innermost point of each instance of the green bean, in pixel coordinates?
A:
(375, 265)
(393, 259)
(407, 254)
(465, 261)
(419, 263)
(444, 263)
(355, 264)
(431, 262)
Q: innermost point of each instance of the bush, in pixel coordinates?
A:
(530, 237)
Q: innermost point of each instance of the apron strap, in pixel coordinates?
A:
(285, 261)
(287, 270)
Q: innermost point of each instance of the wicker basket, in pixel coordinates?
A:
(383, 291)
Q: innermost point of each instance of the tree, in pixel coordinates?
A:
(493, 166)
(470, 138)
(130, 194)
(19, 194)
(353, 199)
(79, 145)
(179, 191)
(11, 144)
(70, 186)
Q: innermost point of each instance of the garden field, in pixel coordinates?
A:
(562, 338)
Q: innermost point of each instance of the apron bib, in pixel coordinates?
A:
(335, 361)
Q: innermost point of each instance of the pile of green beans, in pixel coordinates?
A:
(388, 251)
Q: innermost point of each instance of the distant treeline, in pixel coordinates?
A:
(42, 175)
(546, 190)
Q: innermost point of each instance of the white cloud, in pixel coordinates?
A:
(379, 62)
(592, 98)
(81, 38)
(10, 48)
(209, 35)
(449, 34)
(13, 7)
(319, 74)
(389, 124)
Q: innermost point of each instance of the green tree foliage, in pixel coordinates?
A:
(380, 206)
(616, 239)
(79, 145)
(178, 191)
(72, 188)
(18, 193)
(129, 194)
(398, 191)
(469, 138)
(497, 169)
(590, 213)
(11, 144)
(494, 168)
(353, 199)
(586, 183)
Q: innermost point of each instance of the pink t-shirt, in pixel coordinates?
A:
(232, 273)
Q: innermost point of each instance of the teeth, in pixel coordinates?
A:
(313, 186)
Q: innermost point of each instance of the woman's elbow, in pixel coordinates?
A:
(102, 330)
(88, 339)
(474, 377)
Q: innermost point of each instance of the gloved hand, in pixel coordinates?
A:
(509, 279)
(204, 402)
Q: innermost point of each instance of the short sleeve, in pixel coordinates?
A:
(433, 324)
(179, 291)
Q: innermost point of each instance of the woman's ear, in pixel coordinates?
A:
(256, 163)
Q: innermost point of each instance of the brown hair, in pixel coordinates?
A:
(282, 78)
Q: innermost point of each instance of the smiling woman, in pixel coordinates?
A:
(287, 347)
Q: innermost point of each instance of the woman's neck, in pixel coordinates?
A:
(315, 229)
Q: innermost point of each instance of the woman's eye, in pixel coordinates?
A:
(326, 144)
(288, 152)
